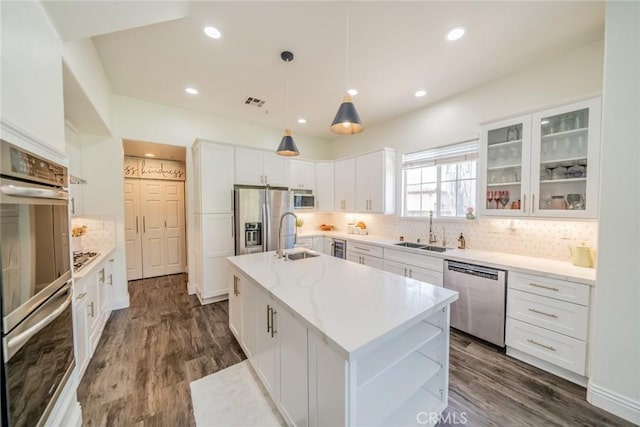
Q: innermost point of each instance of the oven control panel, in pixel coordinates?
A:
(22, 164)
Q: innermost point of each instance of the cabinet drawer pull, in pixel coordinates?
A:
(542, 312)
(533, 202)
(548, 347)
(411, 273)
(82, 295)
(362, 249)
(544, 287)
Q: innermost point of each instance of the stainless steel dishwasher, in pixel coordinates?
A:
(480, 308)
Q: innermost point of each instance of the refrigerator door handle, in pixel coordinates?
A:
(265, 227)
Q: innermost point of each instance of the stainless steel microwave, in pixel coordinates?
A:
(303, 199)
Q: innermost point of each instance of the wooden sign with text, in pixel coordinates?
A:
(138, 167)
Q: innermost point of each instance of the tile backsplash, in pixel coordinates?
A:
(100, 233)
(539, 238)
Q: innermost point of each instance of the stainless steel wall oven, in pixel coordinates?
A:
(37, 326)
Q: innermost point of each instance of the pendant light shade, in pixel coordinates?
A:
(287, 145)
(347, 120)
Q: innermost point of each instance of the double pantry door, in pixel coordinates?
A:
(154, 227)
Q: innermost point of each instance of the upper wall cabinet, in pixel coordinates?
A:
(324, 186)
(257, 167)
(544, 164)
(345, 185)
(375, 182)
(303, 175)
(213, 164)
(74, 152)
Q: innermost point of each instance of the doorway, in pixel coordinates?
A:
(154, 200)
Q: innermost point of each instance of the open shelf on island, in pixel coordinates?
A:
(422, 402)
(387, 357)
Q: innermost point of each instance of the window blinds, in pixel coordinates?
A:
(459, 152)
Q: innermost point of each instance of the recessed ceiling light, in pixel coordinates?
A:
(420, 93)
(191, 91)
(213, 32)
(302, 120)
(455, 34)
(149, 155)
(352, 92)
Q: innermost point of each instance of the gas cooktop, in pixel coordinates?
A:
(80, 259)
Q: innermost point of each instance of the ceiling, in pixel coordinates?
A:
(160, 151)
(395, 48)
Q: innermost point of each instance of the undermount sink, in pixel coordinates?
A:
(410, 245)
(433, 248)
(301, 255)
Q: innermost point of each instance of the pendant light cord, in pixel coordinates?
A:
(346, 50)
(286, 91)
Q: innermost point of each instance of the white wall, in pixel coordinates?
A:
(31, 72)
(82, 60)
(566, 77)
(103, 196)
(615, 347)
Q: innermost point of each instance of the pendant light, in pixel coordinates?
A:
(347, 120)
(287, 145)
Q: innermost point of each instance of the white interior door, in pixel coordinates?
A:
(174, 227)
(153, 228)
(132, 228)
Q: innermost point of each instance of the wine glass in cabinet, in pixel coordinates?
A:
(505, 163)
(566, 146)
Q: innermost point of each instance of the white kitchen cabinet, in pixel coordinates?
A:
(214, 177)
(419, 266)
(375, 182)
(547, 324)
(318, 244)
(74, 153)
(304, 242)
(345, 185)
(257, 167)
(324, 186)
(266, 362)
(369, 255)
(302, 175)
(213, 243)
(548, 161)
(81, 332)
(105, 282)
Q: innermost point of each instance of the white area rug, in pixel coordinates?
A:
(232, 397)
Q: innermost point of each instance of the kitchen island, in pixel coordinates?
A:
(337, 343)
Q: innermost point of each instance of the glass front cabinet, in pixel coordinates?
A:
(542, 164)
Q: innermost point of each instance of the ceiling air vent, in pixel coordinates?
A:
(250, 100)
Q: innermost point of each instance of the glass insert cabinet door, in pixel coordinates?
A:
(505, 156)
(565, 152)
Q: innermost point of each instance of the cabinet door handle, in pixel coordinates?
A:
(101, 276)
(137, 224)
(165, 223)
(542, 312)
(524, 203)
(111, 279)
(273, 323)
(268, 318)
(232, 228)
(548, 347)
(73, 205)
(544, 287)
(92, 312)
(411, 273)
(533, 202)
(144, 225)
(405, 272)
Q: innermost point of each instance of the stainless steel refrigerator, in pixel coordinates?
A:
(257, 213)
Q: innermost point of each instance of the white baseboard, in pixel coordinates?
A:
(546, 366)
(212, 299)
(613, 402)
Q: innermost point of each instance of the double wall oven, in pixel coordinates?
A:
(37, 326)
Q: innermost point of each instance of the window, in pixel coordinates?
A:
(442, 180)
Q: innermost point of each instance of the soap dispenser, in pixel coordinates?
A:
(461, 242)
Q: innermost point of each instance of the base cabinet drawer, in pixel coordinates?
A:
(364, 249)
(561, 350)
(577, 293)
(558, 316)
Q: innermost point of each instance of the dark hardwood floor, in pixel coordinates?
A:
(150, 352)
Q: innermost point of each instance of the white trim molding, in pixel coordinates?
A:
(613, 402)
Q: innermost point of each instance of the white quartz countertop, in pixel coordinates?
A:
(102, 254)
(353, 306)
(562, 270)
